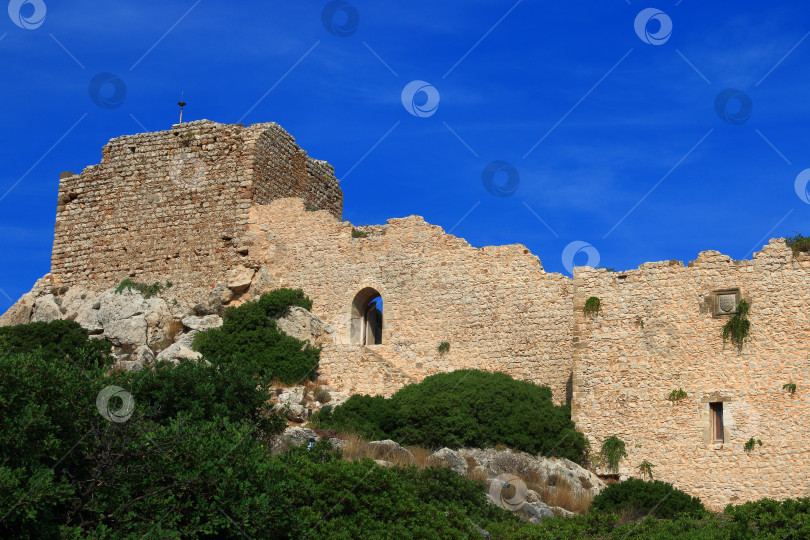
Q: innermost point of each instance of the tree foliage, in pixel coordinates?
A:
(643, 498)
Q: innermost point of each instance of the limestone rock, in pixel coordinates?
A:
(390, 449)
(202, 323)
(144, 355)
(131, 365)
(176, 352)
(126, 318)
(21, 311)
(535, 512)
(45, 309)
(240, 278)
(298, 435)
(301, 324)
(263, 282)
(451, 459)
(338, 443)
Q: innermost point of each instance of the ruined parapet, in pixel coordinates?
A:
(173, 205)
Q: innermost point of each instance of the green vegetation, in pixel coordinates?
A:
(147, 291)
(612, 452)
(639, 322)
(641, 498)
(249, 336)
(750, 444)
(357, 233)
(444, 346)
(738, 327)
(798, 243)
(194, 458)
(592, 305)
(645, 467)
(790, 387)
(464, 408)
(677, 395)
(57, 340)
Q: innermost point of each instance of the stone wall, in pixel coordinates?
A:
(496, 306)
(659, 330)
(173, 205)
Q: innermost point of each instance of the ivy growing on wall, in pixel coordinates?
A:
(612, 452)
(738, 327)
(592, 305)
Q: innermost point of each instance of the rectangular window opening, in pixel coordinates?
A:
(716, 412)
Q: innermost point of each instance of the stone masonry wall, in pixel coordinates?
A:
(173, 205)
(657, 331)
(496, 306)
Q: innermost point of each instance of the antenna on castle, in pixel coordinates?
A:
(182, 104)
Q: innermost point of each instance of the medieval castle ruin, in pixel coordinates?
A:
(231, 212)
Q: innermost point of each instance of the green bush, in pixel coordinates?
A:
(358, 499)
(201, 391)
(57, 340)
(249, 336)
(642, 498)
(465, 408)
(798, 243)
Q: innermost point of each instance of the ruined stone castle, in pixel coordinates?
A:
(236, 211)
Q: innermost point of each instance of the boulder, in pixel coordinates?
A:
(451, 459)
(263, 282)
(144, 355)
(45, 309)
(390, 449)
(301, 324)
(299, 435)
(177, 352)
(216, 301)
(131, 320)
(338, 443)
(130, 365)
(202, 323)
(240, 278)
(535, 512)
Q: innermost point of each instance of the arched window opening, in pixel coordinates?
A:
(367, 317)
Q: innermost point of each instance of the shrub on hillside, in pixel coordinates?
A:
(774, 519)
(249, 335)
(201, 391)
(641, 498)
(465, 408)
(57, 340)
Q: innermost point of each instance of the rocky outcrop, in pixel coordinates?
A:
(301, 324)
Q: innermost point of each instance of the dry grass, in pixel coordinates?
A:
(564, 496)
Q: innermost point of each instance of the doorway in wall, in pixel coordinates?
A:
(367, 317)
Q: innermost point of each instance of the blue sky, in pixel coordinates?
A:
(633, 162)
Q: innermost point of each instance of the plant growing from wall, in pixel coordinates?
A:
(639, 322)
(677, 395)
(592, 305)
(799, 244)
(738, 327)
(749, 445)
(147, 291)
(444, 346)
(612, 452)
(357, 233)
(646, 469)
(790, 387)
